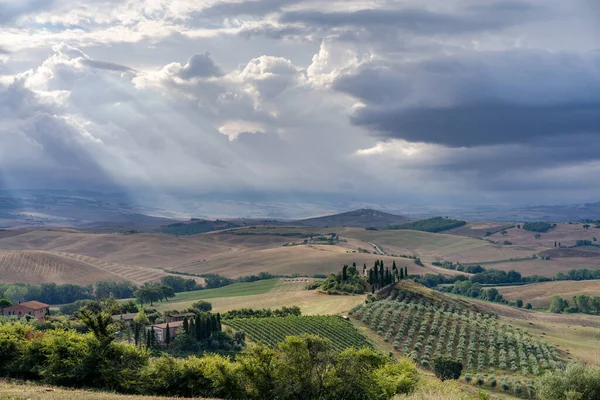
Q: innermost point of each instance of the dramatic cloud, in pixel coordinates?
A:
(480, 99)
(415, 101)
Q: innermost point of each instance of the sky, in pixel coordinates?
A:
(416, 101)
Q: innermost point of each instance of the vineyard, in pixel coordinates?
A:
(422, 328)
(272, 331)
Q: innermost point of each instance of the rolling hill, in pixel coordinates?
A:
(34, 267)
(363, 218)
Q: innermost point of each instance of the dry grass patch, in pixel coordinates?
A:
(18, 390)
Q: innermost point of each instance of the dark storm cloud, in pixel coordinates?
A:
(105, 65)
(480, 123)
(476, 18)
(10, 10)
(200, 66)
(479, 98)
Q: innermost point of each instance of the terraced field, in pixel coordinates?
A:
(272, 331)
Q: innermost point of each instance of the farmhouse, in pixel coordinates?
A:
(180, 317)
(160, 330)
(34, 309)
(125, 317)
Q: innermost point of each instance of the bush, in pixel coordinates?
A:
(575, 382)
(445, 367)
(202, 306)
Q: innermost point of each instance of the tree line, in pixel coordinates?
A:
(580, 304)
(262, 313)
(379, 276)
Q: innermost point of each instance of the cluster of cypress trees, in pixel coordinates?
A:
(380, 276)
(203, 326)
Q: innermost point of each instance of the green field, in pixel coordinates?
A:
(272, 331)
(234, 290)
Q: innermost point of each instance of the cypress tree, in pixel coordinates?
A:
(364, 269)
(152, 338)
(186, 326)
(382, 274)
(394, 265)
(148, 340)
(168, 335)
(401, 273)
(373, 289)
(406, 272)
(136, 333)
(192, 330)
(344, 273)
(207, 327)
(198, 330)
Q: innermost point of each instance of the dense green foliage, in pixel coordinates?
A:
(538, 226)
(349, 280)
(52, 293)
(468, 268)
(435, 224)
(576, 382)
(445, 367)
(581, 303)
(150, 293)
(273, 330)
(424, 328)
(298, 368)
(262, 313)
(580, 274)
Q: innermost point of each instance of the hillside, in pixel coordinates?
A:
(363, 218)
(422, 324)
(540, 294)
(34, 267)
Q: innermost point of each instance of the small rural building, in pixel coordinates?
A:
(125, 317)
(34, 309)
(180, 317)
(160, 330)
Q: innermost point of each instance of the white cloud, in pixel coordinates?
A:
(228, 95)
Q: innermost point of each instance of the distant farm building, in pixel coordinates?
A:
(33, 309)
(180, 317)
(160, 330)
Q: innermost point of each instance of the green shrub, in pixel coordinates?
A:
(576, 381)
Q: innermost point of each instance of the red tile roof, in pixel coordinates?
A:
(173, 324)
(34, 305)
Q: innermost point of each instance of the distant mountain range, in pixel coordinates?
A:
(114, 211)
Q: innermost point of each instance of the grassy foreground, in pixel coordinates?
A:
(19, 390)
